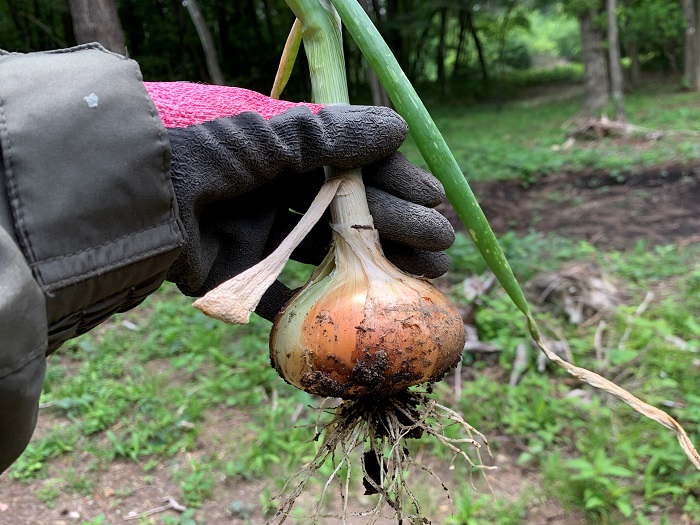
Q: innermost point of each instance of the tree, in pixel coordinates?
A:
(97, 21)
(614, 62)
(595, 76)
(442, 52)
(469, 19)
(632, 44)
(692, 41)
(205, 37)
(379, 94)
(655, 28)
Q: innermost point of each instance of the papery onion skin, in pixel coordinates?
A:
(350, 338)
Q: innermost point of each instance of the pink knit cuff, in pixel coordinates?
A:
(182, 104)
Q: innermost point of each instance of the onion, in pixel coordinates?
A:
(360, 329)
(360, 326)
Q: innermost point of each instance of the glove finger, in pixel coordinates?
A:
(273, 300)
(397, 221)
(417, 262)
(339, 136)
(396, 175)
(409, 224)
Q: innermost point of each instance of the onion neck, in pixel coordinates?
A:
(349, 207)
(323, 44)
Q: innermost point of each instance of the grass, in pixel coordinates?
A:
(190, 406)
(520, 141)
(147, 389)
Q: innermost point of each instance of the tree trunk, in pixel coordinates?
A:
(418, 46)
(20, 23)
(616, 82)
(394, 37)
(268, 16)
(207, 41)
(460, 42)
(690, 67)
(477, 43)
(697, 41)
(595, 77)
(37, 17)
(379, 94)
(632, 44)
(441, 52)
(224, 41)
(97, 21)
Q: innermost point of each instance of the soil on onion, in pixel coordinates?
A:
(660, 205)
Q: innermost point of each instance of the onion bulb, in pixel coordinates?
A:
(361, 326)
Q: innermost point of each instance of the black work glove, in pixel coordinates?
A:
(242, 182)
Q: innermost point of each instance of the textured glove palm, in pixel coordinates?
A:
(245, 167)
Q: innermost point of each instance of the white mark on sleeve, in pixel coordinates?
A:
(91, 100)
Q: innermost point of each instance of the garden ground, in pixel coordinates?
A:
(661, 206)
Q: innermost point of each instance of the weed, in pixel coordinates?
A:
(186, 518)
(196, 481)
(49, 491)
(595, 482)
(98, 520)
(78, 482)
(482, 509)
(33, 462)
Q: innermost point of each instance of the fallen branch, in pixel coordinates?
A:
(519, 364)
(171, 504)
(596, 128)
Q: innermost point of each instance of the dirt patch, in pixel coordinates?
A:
(660, 205)
(119, 489)
(124, 489)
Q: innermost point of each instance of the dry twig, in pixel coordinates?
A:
(171, 504)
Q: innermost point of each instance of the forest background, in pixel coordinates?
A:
(462, 49)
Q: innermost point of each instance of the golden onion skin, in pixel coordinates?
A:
(353, 337)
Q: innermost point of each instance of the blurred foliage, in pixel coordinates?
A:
(485, 42)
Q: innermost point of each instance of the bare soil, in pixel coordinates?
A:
(661, 205)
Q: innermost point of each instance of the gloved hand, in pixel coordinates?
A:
(244, 167)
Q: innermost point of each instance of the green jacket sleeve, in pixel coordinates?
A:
(87, 188)
(22, 360)
(88, 217)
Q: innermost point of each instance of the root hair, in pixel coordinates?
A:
(381, 428)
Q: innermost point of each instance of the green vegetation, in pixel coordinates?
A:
(166, 387)
(484, 42)
(526, 138)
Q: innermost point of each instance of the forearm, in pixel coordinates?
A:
(86, 183)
